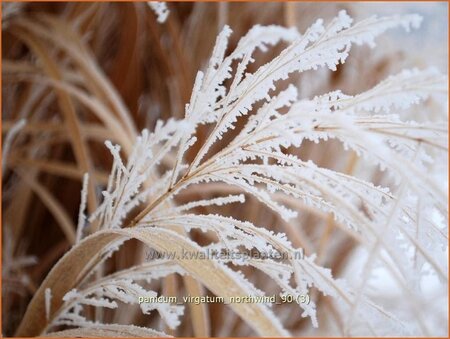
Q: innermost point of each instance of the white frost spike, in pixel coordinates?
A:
(195, 93)
(106, 293)
(81, 213)
(204, 203)
(397, 91)
(160, 9)
(219, 48)
(342, 21)
(122, 193)
(261, 36)
(48, 300)
(368, 29)
(115, 151)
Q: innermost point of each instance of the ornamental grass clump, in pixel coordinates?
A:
(232, 197)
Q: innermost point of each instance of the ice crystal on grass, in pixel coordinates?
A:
(160, 9)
